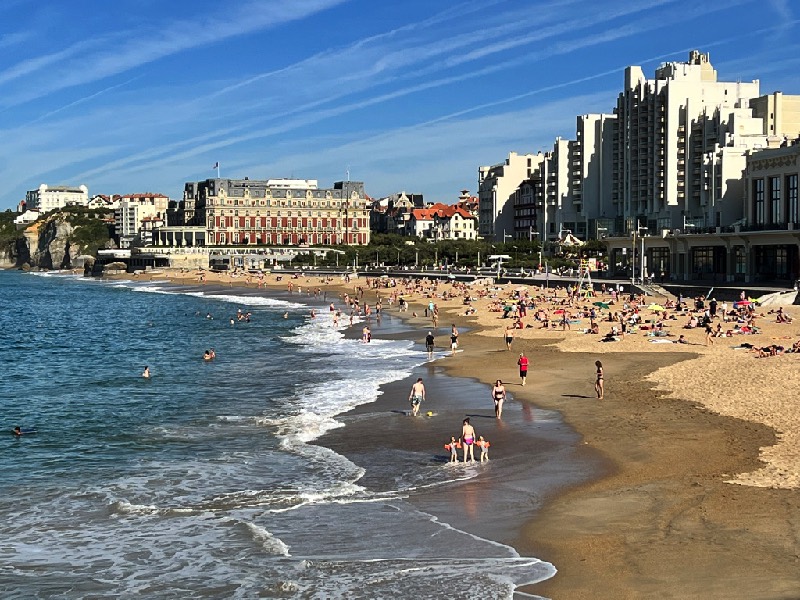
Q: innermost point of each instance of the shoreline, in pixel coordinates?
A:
(662, 519)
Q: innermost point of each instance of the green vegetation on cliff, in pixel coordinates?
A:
(91, 227)
(8, 231)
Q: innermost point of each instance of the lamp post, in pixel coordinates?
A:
(633, 255)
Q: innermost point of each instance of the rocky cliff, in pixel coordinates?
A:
(52, 243)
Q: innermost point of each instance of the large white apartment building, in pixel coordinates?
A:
(668, 128)
(47, 198)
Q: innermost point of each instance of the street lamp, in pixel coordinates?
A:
(633, 254)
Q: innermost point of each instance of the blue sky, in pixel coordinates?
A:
(144, 95)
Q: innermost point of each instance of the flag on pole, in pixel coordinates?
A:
(216, 165)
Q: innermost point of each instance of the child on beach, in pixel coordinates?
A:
(453, 447)
(484, 446)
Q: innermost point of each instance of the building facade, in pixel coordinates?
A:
(392, 213)
(134, 211)
(497, 188)
(271, 212)
(46, 198)
(668, 128)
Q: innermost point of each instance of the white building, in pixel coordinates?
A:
(591, 175)
(497, 188)
(442, 222)
(46, 199)
(667, 126)
(133, 210)
(103, 201)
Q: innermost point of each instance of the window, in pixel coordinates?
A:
(775, 200)
(758, 201)
(792, 212)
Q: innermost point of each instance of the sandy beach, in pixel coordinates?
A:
(687, 472)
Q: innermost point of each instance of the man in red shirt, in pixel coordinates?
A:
(523, 366)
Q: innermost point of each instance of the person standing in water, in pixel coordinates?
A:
(598, 384)
(499, 396)
(416, 396)
(429, 344)
(468, 440)
(453, 339)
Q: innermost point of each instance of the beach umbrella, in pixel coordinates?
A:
(601, 305)
(656, 307)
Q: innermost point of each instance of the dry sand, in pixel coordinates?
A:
(678, 425)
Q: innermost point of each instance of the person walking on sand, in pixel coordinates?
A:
(453, 339)
(499, 396)
(523, 367)
(509, 335)
(416, 396)
(429, 344)
(709, 335)
(598, 384)
(468, 440)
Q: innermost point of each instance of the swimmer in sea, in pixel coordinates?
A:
(468, 440)
(207, 355)
(146, 372)
(17, 430)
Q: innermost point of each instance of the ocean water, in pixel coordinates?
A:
(205, 480)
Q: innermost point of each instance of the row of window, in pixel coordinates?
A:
(775, 200)
(212, 201)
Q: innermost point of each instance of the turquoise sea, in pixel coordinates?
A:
(204, 481)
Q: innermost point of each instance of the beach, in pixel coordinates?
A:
(686, 472)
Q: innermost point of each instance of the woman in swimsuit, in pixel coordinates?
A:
(598, 385)
(468, 440)
(499, 396)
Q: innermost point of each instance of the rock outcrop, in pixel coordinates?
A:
(46, 244)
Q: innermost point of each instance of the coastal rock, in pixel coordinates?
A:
(58, 241)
